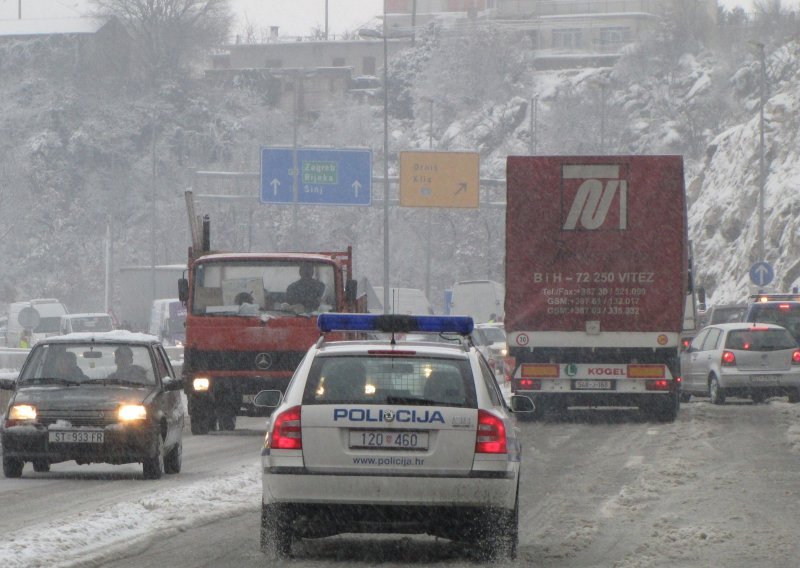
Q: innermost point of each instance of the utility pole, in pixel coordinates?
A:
(761, 163)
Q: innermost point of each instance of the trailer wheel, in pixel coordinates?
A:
(664, 409)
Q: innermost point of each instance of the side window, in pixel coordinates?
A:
(697, 342)
(491, 384)
(712, 339)
(163, 369)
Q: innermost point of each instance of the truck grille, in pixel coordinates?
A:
(259, 361)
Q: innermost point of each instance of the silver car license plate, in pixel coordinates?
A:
(389, 439)
(76, 437)
(765, 379)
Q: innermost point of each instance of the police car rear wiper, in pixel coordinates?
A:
(411, 400)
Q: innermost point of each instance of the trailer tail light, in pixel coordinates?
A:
(529, 384)
(728, 359)
(657, 385)
(796, 357)
(491, 435)
(286, 432)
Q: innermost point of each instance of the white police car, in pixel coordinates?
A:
(386, 436)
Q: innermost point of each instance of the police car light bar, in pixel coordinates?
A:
(395, 323)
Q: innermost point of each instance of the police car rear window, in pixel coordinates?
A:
(425, 381)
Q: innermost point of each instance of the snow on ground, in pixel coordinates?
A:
(162, 513)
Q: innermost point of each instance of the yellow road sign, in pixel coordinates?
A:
(439, 179)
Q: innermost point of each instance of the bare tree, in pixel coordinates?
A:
(170, 34)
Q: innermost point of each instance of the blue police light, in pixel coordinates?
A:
(395, 323)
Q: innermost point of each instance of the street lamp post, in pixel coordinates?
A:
(385, 162)
(761, 164)
(384, 37)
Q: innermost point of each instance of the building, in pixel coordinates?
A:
(80, 47)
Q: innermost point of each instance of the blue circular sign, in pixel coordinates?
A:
(761, 273)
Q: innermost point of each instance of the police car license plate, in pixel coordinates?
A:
(592, 385)
(75, 437)
(389, 439)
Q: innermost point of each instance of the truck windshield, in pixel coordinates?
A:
(249, 288)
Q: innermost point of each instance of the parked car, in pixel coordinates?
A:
(106, 397)
(742, 359)
(398, 436)
(86, 323)
(490, 339)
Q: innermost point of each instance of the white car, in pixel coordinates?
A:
(385, 436)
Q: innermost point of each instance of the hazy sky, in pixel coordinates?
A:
(293, 17)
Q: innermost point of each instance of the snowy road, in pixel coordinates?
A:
(719, 487)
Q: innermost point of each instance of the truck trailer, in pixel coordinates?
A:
(597, 280)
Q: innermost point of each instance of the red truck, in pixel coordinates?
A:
(597, 280)
(246, 329)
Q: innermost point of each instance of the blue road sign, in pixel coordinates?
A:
(325, 176)
(761, 273)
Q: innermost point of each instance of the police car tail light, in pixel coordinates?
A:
(728, 359)
(491, 435)
(796, 357)
(286, 433)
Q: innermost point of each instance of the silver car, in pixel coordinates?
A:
(742, 359)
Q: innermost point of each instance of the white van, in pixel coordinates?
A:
(168, 321)
(89, 323)
(484, 300)
(50, 311)
(401, 301)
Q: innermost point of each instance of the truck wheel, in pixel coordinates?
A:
(12, 467)
(201, 421)
(227, 420)
(276, 535)
(794, 396)
(758, 397)
(41, 466)
(686, 397)
(715, 392)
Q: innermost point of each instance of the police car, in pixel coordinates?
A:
(392, 436)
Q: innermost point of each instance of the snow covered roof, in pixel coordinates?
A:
(50, 26)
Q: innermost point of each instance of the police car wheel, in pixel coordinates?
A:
(276, 535)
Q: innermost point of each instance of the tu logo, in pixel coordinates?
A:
(593, 200)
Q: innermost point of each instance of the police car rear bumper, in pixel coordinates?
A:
(480, 490)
